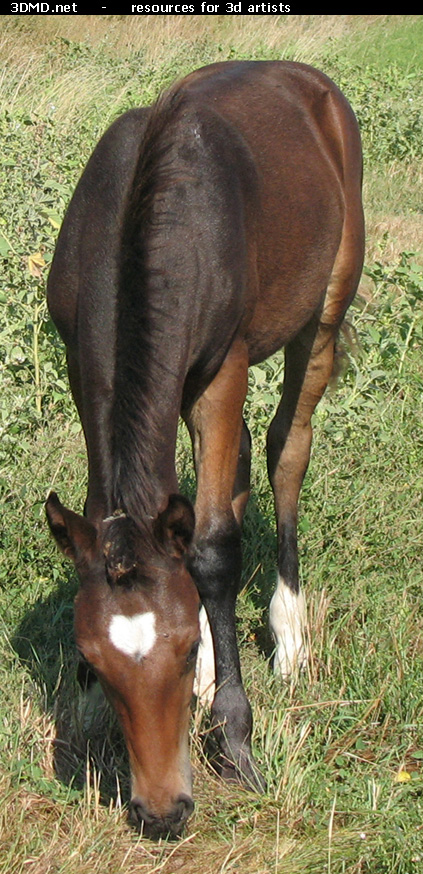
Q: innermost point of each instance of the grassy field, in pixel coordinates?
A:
(342, 748)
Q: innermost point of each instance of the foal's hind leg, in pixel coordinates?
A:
(308, 367)
(241, 491)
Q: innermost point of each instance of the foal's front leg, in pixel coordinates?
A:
(215, 424)
(204, 683)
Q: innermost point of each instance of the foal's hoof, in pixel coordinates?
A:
(245, 773)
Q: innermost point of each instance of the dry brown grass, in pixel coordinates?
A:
(393, 223)
(154, 33)
(89, 838)
(389, 235)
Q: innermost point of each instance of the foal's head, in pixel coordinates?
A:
(136, 624)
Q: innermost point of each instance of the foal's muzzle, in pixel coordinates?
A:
(153, 826)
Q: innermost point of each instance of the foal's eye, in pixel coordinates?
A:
(85, 674)
(192, 655)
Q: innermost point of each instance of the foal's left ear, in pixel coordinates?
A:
(74, 535)
(174, 527)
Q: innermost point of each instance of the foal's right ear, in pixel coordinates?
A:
(74, 535)
(174, 527)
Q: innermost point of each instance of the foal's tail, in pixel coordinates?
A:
(347, 349)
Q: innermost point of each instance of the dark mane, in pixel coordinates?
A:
(127, 547)
(139, 370)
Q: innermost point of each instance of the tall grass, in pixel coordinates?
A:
(342, 747)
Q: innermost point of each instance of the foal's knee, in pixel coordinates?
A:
(215, 562)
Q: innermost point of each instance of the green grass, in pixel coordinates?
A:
(402, 40)
(342, 748)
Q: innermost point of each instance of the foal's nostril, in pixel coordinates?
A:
(184, 807)
(138, 813)
(171, 823)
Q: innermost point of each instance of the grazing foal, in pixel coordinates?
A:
(207, 231)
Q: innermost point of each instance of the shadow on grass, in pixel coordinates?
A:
(82, 747)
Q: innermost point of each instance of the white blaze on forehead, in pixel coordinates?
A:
(135, 635)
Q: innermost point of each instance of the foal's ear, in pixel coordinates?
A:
(174, 527)
(73, 534)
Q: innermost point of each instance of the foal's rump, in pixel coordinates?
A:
(304, 161)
